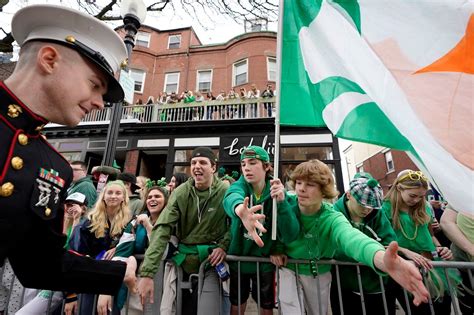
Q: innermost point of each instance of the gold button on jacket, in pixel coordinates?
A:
(17, 163)
(7, 189)
(22, 139)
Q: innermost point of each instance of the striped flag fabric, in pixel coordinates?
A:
(395, 73)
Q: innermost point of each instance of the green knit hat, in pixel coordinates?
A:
(255, 152)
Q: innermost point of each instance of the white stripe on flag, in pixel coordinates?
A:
(335, 112)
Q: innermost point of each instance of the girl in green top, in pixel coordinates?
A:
(323, 230)
(406, 207)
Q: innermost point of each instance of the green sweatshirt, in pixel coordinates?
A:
(241, 243)
(324, 232)
(376, 226)
(199, 218)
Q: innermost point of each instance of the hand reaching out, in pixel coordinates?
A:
(251, 220)
(404, 273)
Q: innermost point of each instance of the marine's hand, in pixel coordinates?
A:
(70, 308)
(130, 279)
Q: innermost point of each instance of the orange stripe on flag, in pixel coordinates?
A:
(460, 58)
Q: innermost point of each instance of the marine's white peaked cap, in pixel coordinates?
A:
(89, 36)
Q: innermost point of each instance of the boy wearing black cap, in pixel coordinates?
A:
(65, 69)
(252, 194)
(195, 209)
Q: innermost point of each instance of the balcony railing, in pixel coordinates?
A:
(203, 111)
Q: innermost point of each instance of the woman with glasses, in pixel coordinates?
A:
(411, 217)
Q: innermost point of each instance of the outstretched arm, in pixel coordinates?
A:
(250, 220)
(403, 272)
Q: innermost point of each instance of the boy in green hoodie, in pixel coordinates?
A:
(361, 206)
(251, 197)
(323, 230)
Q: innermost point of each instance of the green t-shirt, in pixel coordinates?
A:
(416, 238)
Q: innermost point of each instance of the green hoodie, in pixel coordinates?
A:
(376, 226)
(199, 218)
(241, 243)
(324, 232)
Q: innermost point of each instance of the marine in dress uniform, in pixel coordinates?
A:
(34, 177)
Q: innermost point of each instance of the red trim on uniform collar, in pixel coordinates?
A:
(22, 105)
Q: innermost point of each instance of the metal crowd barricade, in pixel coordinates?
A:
(186, 285)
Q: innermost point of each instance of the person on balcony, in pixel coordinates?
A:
(268, 93)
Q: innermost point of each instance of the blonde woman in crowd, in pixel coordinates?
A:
(411, 218)
(100, 233)
(134, 241)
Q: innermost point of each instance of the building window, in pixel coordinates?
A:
(240, 71)
(389, 162)
(204, 80)
(139, 77)
(174, 41)
(143, 39)
(271, 69)
(172, 82)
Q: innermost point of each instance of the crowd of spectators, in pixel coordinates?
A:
(209, 215)
(248, 110)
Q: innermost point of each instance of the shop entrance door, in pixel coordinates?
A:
(153, 164)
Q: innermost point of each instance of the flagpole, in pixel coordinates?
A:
(276, 160)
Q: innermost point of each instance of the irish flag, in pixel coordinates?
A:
(396, 73)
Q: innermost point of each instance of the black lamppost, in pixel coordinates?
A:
(133, 13)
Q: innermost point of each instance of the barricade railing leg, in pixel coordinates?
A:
(258, 288)
(361, 290)
(384, 297)
(339, 291)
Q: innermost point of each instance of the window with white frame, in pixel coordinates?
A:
(240, 71)
(271, 69)
(174, 41)
(171, 82)
(389, 161)
(143, 39)
(139, 77)
(204, 80)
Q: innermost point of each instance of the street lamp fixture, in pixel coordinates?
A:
(133, 13)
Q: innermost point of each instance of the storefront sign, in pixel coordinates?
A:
(231, 147)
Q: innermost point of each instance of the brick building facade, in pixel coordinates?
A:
(176, 61)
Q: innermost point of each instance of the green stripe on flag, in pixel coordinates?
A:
(368, 123)
(353, 10)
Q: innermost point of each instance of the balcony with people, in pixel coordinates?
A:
(189, 106)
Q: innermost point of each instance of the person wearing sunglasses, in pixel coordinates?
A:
(411, 217)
